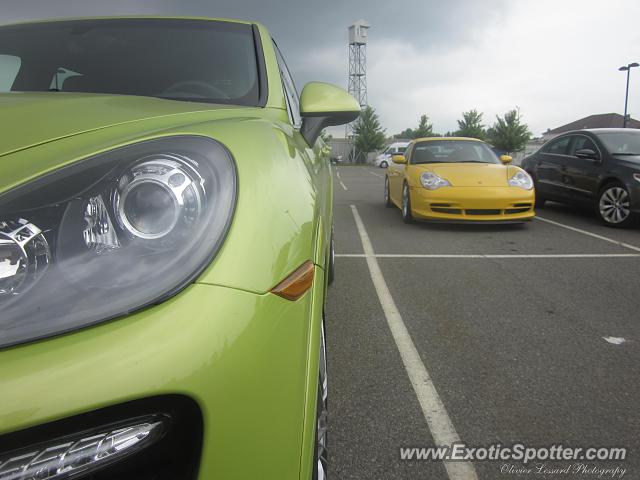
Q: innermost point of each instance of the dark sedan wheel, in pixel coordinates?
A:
(614, 206)
(321, 456)
(407, 217)
(387, 197)
(540, 200)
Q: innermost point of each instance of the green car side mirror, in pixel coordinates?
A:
(324, 105)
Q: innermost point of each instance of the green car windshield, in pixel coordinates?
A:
(452, 151)
(194, 60)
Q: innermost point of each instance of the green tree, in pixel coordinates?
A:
(471, 125)
(369, 134)
(425, 129)
(406, 133)
(509, 133)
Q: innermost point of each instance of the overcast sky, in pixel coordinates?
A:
(555, 59)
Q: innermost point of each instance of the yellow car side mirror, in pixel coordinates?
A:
(398, 159)
(506, 159)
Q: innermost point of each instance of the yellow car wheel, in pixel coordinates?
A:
(387, 198)
(407, 216)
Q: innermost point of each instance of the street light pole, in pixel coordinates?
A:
(627, 68)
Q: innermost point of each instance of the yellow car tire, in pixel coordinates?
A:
(407, 216)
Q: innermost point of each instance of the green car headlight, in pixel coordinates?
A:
(111, 234)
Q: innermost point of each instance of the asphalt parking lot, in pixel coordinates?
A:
(512, 327)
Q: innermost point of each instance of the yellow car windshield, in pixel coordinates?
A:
(452, 151)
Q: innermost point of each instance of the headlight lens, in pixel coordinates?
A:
(432, 181)
(111, 234)
(521, 179)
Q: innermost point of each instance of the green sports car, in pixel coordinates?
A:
(165, 250)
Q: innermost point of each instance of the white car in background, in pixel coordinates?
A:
(384, 159)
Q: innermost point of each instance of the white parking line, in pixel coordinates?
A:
(543, 255)
(433, 409)
(376, 174)
(344, 187)
(594, 235)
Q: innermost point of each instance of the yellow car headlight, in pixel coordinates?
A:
(432, 181)
(521, 179)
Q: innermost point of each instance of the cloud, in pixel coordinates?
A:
(556, 61)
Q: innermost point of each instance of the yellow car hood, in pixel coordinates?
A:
(470, 174)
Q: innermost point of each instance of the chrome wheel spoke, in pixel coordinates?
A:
(609, 196)
(614, 205)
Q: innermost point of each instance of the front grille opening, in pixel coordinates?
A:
(482, 212)
(175, 456)
(516, 210)
(452, 211)
(445, 205)
(528, 205)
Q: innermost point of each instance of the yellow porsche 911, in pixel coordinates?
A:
(458, 179)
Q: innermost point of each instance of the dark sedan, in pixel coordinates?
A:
(597, 167)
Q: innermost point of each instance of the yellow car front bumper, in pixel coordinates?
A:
(479, 204)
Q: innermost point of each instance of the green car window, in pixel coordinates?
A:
(9, 68)
(178, 59)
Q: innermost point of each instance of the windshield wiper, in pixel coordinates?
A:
(433, 161)
(629, 154)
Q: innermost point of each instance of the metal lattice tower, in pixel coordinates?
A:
(358, 65)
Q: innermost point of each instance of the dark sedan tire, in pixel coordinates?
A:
(540, 200)
(613, 206)
(387, 196)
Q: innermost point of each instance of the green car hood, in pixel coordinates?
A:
(47, 131)
(30, 119)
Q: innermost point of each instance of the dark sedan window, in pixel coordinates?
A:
(621, 143)
(178, 59)
(557, 147)
(581, 143)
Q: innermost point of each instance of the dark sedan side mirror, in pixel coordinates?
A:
(586, 153)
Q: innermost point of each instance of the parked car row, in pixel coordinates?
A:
(463, 179)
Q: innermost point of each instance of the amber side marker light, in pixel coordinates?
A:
(296, 284)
